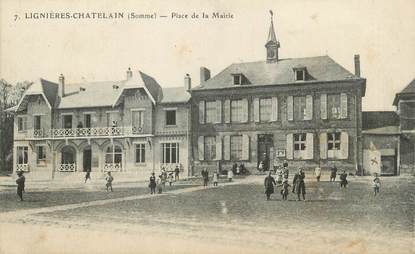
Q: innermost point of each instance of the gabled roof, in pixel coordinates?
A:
(175, 95)
(407, 92)
(379, 119)
(42, 87)
(320, 68)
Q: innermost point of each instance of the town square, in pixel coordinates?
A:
(209, 127)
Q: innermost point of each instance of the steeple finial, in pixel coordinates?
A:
(272, 44)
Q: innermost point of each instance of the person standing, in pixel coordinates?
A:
(285, 189)
(205, 176)
(343, 179)
(376, 184)
(261, 166)
(215, 178)
(333, 174)
(269, 183)
(109, 180)
(299, 184)
(170, 178)
(176, 173)
(230, 175)
(152, 184)
(279, 175)
(20, 184)
(160, 184)
(317, 173)
(88, 175)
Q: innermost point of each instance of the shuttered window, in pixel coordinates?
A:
(236, 147)
(301, 147)
(210, 148)
(265, 108)
(334, 145)
(210, 111)
(333, 106)
(22, 154)
(299, 107)
(274, 109)
(227, 111)
(218, 148)
(21, 123)
(202, 112)
(290, 108)
(237, 113)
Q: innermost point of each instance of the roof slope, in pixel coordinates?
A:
(320, 68)
(175, 95)
(408, 91)
(379, 119)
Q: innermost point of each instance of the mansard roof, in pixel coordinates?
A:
(319, 69)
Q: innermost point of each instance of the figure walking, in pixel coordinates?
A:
(152, 184)
(269, 183)
(299, 184)
(20, 184)
(376, 184)
(88, 175)
(343, 179)
(333, 174)
(109, 178)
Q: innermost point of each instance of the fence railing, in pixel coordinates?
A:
(22, 167)
(67, 167)
(85, 132)
(117, 167)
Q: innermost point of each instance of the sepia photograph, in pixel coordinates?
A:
(209, 126)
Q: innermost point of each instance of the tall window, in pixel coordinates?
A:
(170, 152)
(299, 142)
(210, 148)
(299, 107)
(236, 111)
(299, 75)
(113, 154)
(21, 123)
(87, 120)
(140, 153)
(67, 121)
(170, 117)
(113, 118)
(41, 153)
(237, 79)
(210, 111)
(265, 106)
(236, 147)
(333, 106)
(22, 153)
(137, 119)
(333, 141)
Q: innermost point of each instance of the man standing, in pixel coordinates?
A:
(269, 183)
(176, 173)
(343, 179)
(205, 175)
(299, 184)
(152, 184)
(20, 184)
(333, 174)
(109, 180)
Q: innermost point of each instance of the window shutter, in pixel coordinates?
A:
(227, 147)
(323, 145)
(344, 145)
(309, 146)
(201, 147)
(218, 148)
(245, 109)
(290, 108)
(309, 107)
(245, 147)
(227, 111)
(323, 106)
(343, 105)
(290, 143)
(218, 111)
(256, 110)
(202, 112)
(274, 109)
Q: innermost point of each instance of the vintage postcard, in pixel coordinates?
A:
(207, 126)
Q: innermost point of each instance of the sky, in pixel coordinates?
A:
(382, 32)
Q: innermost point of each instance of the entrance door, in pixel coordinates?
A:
(388, 165)
(87, 159)
(265, 145)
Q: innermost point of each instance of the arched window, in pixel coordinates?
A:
(113, 154)
(68, 155)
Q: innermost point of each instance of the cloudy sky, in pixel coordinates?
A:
(382, 32)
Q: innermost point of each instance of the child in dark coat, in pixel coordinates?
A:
(285, 189)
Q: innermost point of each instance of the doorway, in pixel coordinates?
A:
(388, 165)
(87, 163)
(265, 146)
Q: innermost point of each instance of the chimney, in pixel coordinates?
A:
(61, 86)
(357, 65)
(204, 74)
(187, 82)
(129, 73)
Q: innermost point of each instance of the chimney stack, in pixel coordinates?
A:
(187, 82)
(357, 65)
(61, 86)
(204, 74)
(129, 73)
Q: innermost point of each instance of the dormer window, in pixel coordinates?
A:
(300, 73)
(237, 79)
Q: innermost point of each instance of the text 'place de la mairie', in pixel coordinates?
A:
(307, 111)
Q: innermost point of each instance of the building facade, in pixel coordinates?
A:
(303, 110)
(131, 126)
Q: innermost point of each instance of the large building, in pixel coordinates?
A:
(305, 110)
(133, 125)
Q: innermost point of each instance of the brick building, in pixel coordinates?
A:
(306, 110)
(132, 126)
